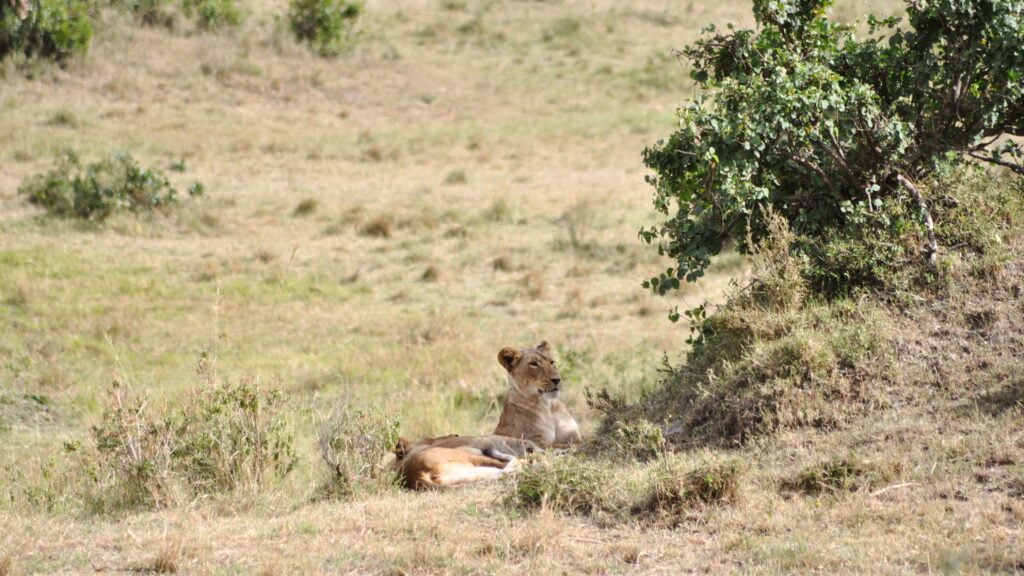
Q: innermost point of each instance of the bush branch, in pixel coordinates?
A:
(933, 246)
(1017, 168)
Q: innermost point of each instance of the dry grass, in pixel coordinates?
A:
(378, 226)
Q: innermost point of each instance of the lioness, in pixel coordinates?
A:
(532, 410)
(452, 460)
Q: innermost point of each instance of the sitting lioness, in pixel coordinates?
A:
(532, 410)
(452, 460)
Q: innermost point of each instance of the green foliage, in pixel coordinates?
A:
(54, 29)
(355, 444)
(803, 119)
(95, 191)
(213, 14)
(564, 483)
(233, 436)
(326, 25)
(227, 438)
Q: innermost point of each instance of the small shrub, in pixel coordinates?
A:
(355, 444)
(54, 29)
(95, 191)
(431, 274)
(379, 227)
(305, 207)
(326, 25)
(134, 453)
(565, 483)
(213, 14)
(233, 436)
(455, 177)
(675, 494)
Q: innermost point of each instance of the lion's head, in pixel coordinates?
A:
(532, 371)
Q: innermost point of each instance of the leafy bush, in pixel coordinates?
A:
(54, 29)
(232, 437)
(326, 25)
(213, 14)
(95, 191)
(835, 133)
(354, 444)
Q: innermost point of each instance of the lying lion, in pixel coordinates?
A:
(532, 410)
(532, 416)
(452, 460)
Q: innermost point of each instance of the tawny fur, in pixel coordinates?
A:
(493, 446)
(532, 409)
(436, 467)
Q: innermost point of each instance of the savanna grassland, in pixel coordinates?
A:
(376, 227)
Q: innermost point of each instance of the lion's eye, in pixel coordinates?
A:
(534, 365)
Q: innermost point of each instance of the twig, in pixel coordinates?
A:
(933, 246)
(893, 487)
(1015, 167)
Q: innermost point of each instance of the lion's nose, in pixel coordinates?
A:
(556, 381)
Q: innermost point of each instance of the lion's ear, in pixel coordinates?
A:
(508, 357)
(543, 346)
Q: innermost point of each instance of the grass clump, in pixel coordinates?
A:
(354, 445)
(675, 493)
(623, 436)
(96, 191)
(829, 476)
(325, 25)
(840, 474)
(566, 483)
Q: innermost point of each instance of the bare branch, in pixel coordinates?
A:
(1012, 166)
(805, 163)
(840, 161)
(933, 247)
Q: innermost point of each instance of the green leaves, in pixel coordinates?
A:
(326, 25)
(803, 118)
(95, 191)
